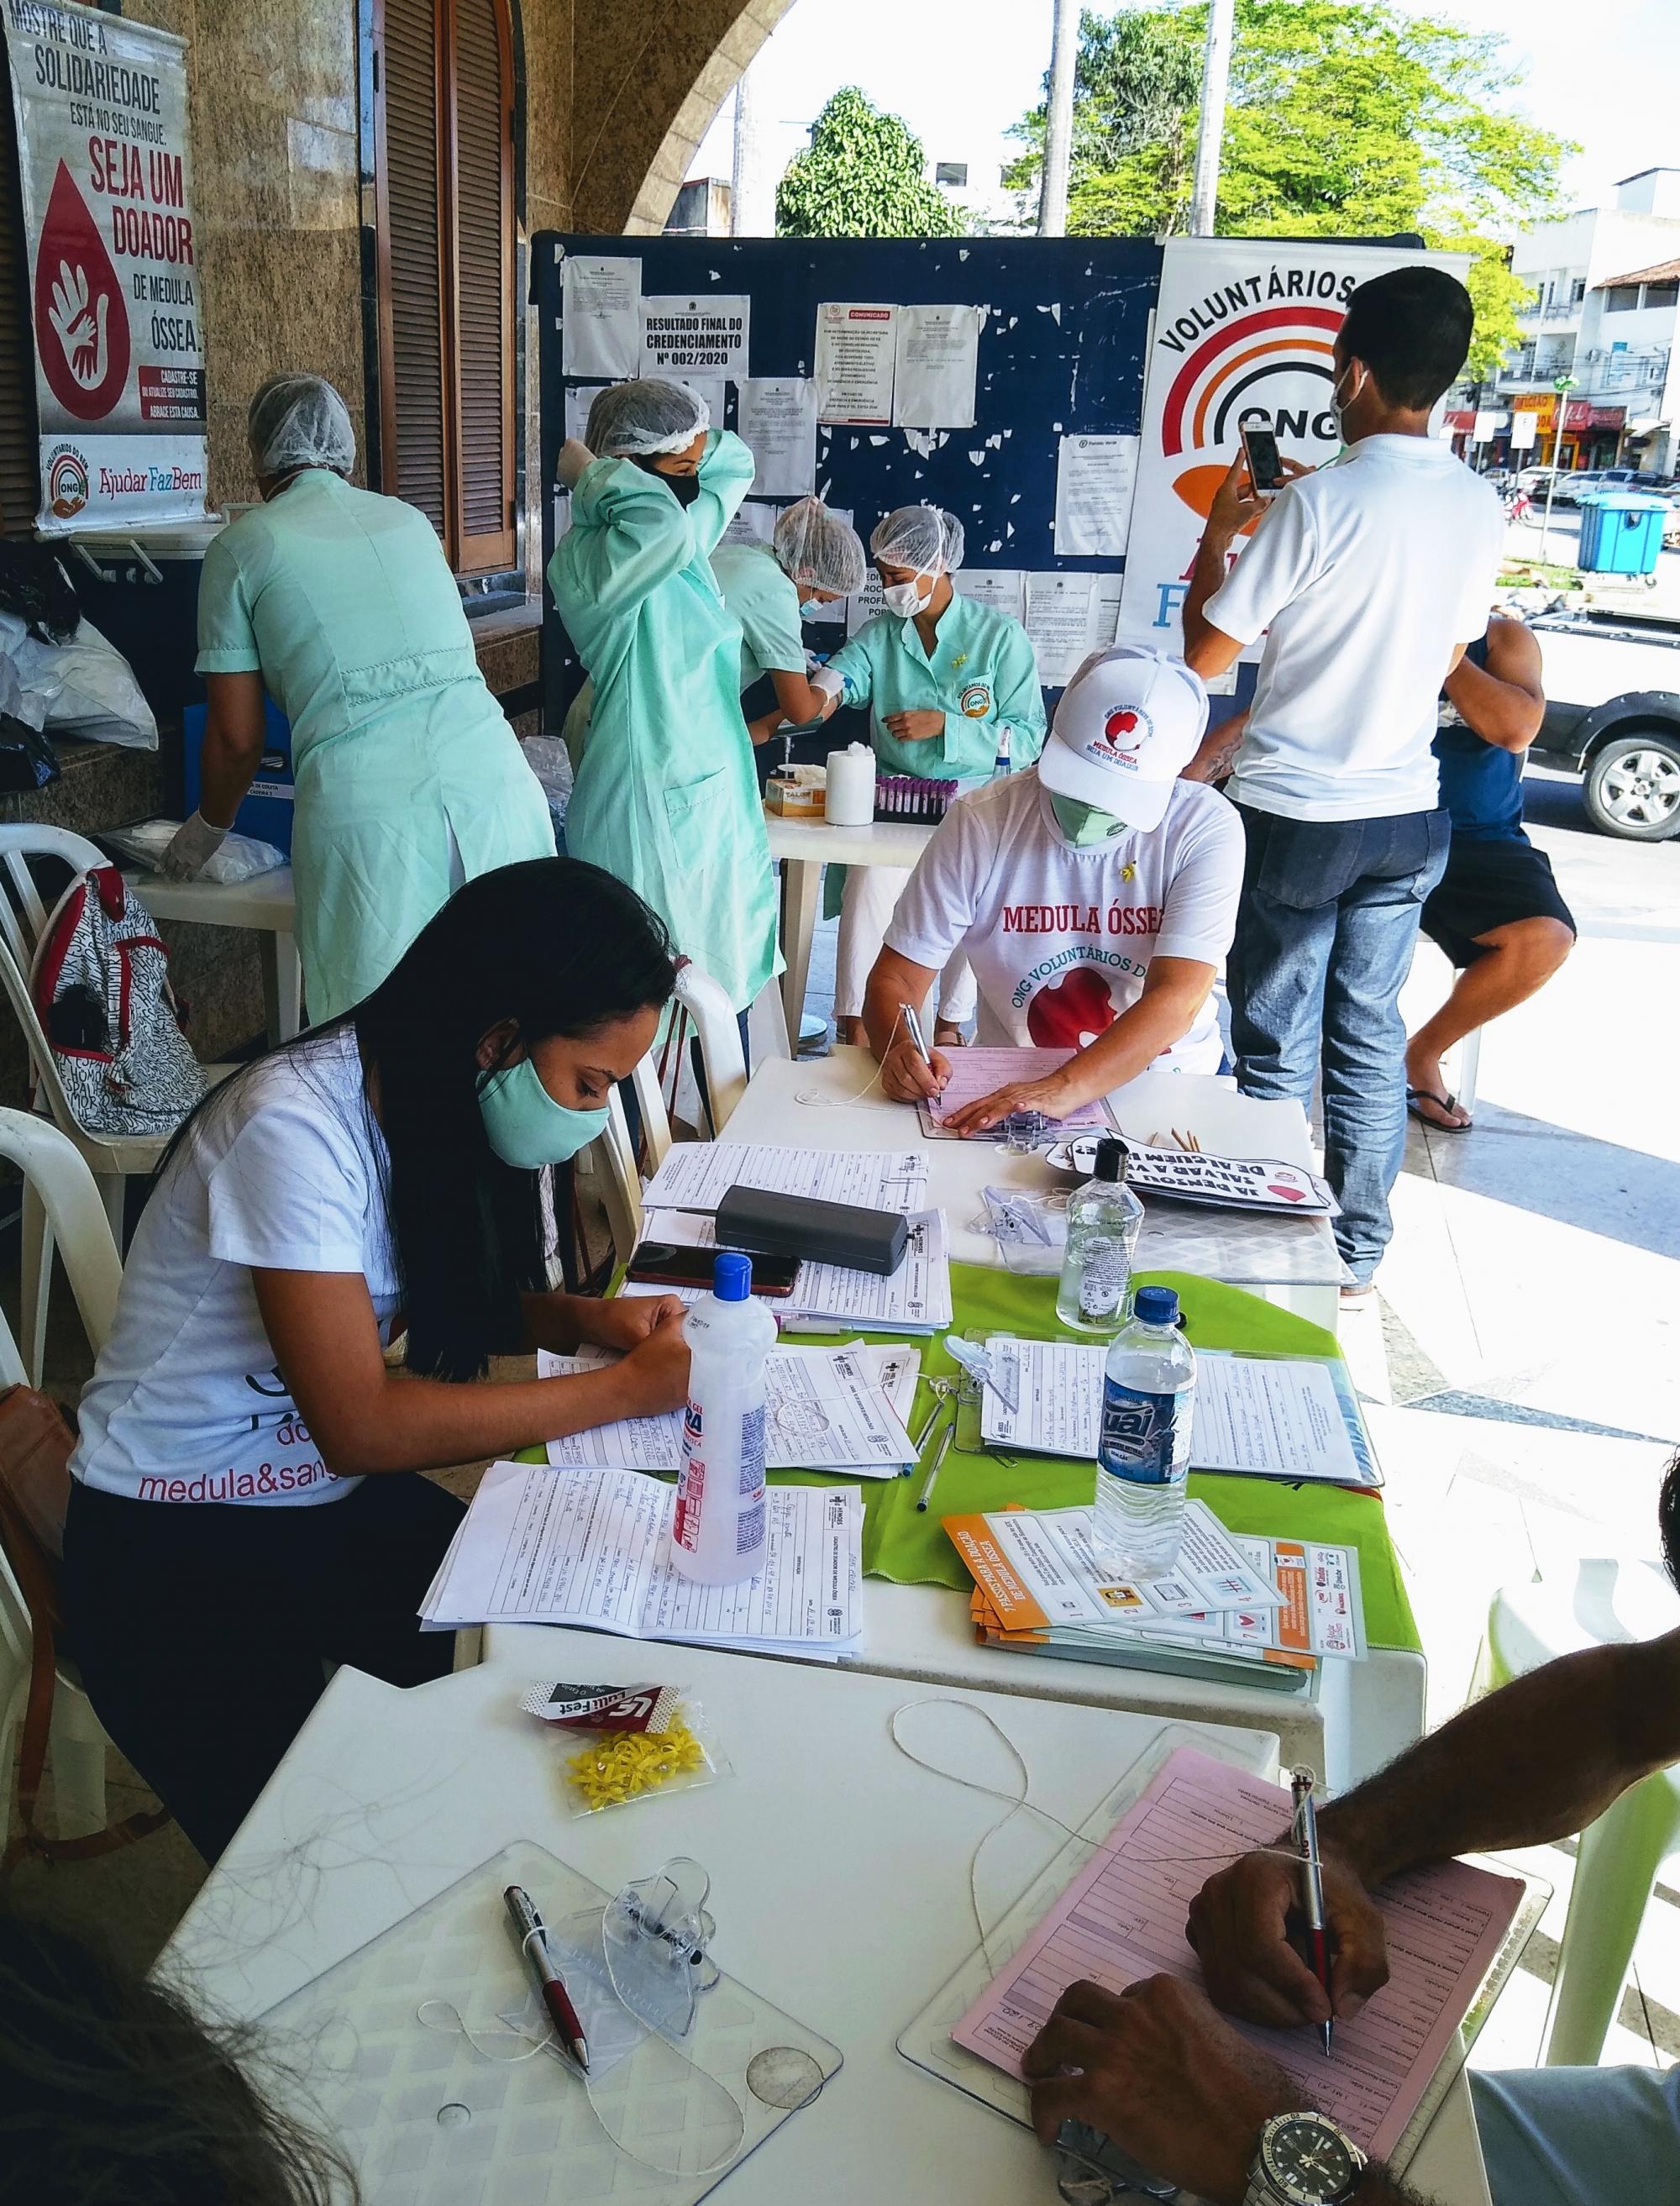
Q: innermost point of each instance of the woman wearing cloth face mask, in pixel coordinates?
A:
(245, 1506)
(666, 794)
(814, 559)
(947, 681)
(409, 781)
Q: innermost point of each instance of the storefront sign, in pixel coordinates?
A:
(1243, 333)
(1541, 404)
(101, 108)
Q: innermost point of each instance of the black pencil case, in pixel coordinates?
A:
(752, 1219)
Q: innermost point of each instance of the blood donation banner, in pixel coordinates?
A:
(1243, 333)
(101, 107)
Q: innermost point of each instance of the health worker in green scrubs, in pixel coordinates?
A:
(812, 559)
(409, 780)
(953, 691)
(666, 795)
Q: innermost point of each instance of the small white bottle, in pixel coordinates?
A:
(718, 1532)
(1143, 1452)
(1105, 1218)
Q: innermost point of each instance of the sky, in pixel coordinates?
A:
(961, 72)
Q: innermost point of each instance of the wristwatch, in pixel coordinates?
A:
(1303, 2159)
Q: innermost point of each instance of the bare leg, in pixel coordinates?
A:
(1517, 960)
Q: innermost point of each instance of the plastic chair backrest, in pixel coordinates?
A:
(655, 1118)
(615, 1156)
(715, 1023)
(23, 917)
(75, 1211)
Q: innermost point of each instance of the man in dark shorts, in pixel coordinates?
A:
(1496, 911)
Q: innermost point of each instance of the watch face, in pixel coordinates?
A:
(1309, 2161)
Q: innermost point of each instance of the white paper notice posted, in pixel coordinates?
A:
(1095, 477)
(777, 418)
(937, 365)
(599, 299)
(1058, 622)
(855, 356)
(1002, 588)
(694, 339)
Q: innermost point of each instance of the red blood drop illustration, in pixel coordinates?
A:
(1073, 1013)
(81, 324)
(1289, 1194)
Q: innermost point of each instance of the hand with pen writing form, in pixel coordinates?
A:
(1244, 1925)
(1055, 1097)
(908, 1077)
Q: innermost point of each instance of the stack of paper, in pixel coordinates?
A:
(828, 1408)
(1267, 1417)
(977, 1073)
(698, 1174)
(592, 1549)
(915, 1298)
(1040, 1589)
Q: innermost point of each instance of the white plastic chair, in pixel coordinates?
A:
(713, 1015)
(113, 1158)
(1611, 1602)
(612, 1160)
(75, 1215)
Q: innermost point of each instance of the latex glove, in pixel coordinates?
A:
(194, 845)
(575, 457)
(828, 681)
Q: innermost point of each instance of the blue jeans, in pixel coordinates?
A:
(1580, 2136)
(1324, 938)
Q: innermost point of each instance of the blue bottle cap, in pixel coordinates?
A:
(1156, 1306)
(732, 1276)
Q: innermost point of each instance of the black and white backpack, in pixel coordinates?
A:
(101, 987)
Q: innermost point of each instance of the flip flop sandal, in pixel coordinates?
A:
(1417, 1095)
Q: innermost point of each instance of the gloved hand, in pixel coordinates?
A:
(825, 679)
(575, 457)
(195, 843)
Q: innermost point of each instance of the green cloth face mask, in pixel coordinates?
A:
(525, 1127)
(1082, 824)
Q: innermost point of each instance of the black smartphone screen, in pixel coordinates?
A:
(665, 1264)
(1265, 466)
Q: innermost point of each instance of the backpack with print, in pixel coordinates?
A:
(101, 986)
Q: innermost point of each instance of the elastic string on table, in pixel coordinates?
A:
(815, 1102)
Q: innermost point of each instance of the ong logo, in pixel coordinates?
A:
(66, 481)
(1272, 365)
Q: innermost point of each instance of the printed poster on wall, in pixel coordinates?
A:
(699, 341)
(1243, 332)
(118, 324)
(856, 346)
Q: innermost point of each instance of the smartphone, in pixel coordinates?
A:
(1266, 464)
(672, 1264)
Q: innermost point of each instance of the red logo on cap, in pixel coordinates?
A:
(1122, 731)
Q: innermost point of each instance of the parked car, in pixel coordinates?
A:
(1612, 715)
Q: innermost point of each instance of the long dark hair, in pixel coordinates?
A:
(555, 947)
(111, 2088)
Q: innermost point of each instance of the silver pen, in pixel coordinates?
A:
(1302, 1782)
(913, 1027)
(938, 1462)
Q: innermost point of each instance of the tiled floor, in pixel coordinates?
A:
(1519, 1361)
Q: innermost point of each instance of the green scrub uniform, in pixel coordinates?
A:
(981, 675)
(765, 602)
(667, 794)
(410, 779)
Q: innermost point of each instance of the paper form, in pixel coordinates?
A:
(856, 349)
(599, 298)
(776, 420)
(979, 1073)
(1122, 1919)
(1095, 477)
(915, 1298)
(592, 1549)
(1058, 616)
(698, 1174)
(826, 1411)
(1039, 1568)
(1004, 588)
(936, 367)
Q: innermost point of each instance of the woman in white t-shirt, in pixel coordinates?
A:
(235, 1520)
(1094, 898)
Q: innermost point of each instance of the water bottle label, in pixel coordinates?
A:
(1145, 1438)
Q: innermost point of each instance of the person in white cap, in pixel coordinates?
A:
(1094, 897)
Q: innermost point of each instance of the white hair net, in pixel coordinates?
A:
(924, 537)
(814, 545)
(641, 420)
(299, 421)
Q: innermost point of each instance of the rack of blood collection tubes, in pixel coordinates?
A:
(909, 796)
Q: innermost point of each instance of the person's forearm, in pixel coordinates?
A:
(228, 765)
(1539, 1760)
(1131, 1044)
(800, 703)
(428, 1424)
(893, 982)
(1212, 561)
(1499, 711)
(555, 1320)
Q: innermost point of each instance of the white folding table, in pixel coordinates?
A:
(839, 1877)
(805, 846)
(266, 904)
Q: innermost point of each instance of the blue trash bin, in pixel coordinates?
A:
(1621, 532)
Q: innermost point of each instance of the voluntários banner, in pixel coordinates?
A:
(1242, 333)
(117, 316)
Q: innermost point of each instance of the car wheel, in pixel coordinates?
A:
(1633, 786)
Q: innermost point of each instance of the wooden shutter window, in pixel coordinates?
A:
(444, 157)
(19, 453)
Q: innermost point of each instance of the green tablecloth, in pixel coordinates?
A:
(909, 1545)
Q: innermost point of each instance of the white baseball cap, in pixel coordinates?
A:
(1129, 723)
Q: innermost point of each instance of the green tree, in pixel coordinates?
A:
(860, 176)
(1345, 118)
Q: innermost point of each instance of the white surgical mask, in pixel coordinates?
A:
(1339, 405)
(904, 599)
(812, 609)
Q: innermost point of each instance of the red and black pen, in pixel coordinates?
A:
(533, 1945)
(1302, 1782)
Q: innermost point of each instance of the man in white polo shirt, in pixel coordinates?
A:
(1367, 578)
(1093, 896)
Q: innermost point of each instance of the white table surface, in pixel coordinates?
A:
(840, 1879)
(819, 842)
(265, 903)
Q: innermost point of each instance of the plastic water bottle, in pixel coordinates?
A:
(1143, 1452)
(1000, 764)
(1103, 1220)
(718, 1534)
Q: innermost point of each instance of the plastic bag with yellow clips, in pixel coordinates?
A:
(627, 1742)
